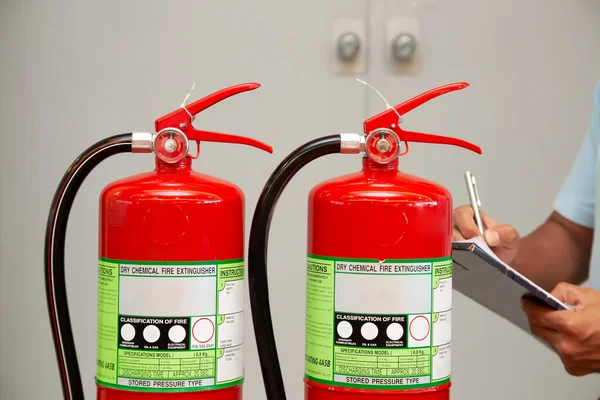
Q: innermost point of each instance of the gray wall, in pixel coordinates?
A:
(72, 73)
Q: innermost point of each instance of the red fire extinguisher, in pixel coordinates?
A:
(170, 270)
(378, 273)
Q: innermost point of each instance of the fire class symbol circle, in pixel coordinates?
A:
(344, 329)
(394, 331)
(151, 333)
(203, 330)
(177, 333)
(127, 332)
(369, 331)
(419, 328)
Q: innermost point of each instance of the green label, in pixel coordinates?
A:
(378, 325)
(170, 327)
(320, 289)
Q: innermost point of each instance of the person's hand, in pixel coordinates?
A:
(573, 334)
(503, 239)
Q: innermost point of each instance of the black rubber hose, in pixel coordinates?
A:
(54, 260)
(257, 257)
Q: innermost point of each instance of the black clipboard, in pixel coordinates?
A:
(479, 275)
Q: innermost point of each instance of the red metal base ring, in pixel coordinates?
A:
(231, 393)
(318, 391)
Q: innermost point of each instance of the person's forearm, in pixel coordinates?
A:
(551, 254)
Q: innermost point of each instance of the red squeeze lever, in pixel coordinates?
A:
(180, 119)
(389, 119)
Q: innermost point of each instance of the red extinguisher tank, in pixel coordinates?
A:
(379, 287)
(378, 270)
(171, 294)
(171, 285)
(379, 275)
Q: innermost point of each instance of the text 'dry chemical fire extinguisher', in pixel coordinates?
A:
(378, 273)
(170, 270)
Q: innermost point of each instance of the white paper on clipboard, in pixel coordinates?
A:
(481, 276)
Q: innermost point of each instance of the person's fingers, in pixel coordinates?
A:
(565, 321)
(538, 315)
(496, 235)
(547, 335)
(488, 221)
(575, 295)
(456, 236)
(502, 235)
(569, 293)
(464, 222)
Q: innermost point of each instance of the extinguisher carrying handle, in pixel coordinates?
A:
(258, 243)
(183, 117)
(54, 250)
(389, 119)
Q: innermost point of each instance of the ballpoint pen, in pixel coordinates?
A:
(474, 198)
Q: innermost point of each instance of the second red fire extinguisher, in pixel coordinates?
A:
(378, 270)
(170, 272)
